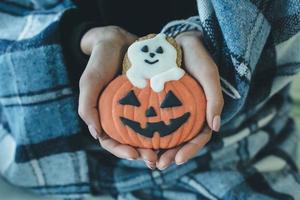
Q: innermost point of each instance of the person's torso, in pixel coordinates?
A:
(139, 16)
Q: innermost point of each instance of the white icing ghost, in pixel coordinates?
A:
(153, 59)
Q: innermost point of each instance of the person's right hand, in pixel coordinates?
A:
(106, 47)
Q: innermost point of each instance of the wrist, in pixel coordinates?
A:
(111, 34)
(189, 36)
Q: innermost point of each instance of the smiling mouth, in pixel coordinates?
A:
(159, 127)
(150, 62)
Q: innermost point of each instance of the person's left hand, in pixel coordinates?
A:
(200, 65)
(106, 48)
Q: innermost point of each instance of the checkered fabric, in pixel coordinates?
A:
(43, 147)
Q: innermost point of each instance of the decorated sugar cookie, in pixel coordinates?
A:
(155, 103)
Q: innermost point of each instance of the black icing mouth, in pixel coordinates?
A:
(159, 127)
(150, 62)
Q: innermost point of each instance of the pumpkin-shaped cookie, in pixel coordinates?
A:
(154, 104)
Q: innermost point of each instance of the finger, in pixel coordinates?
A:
(201, 66)
(167, 158)
(149, 157)
(191, 148)
(98, 72)
(151, 166)
(117, 149)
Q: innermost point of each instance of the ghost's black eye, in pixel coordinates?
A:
(130, 99)
(145, 49)
(159, 50)
(170, 101)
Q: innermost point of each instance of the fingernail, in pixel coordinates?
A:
(162, 168)
(132, 158)
(216, 123)
(149, 162)
(150, 167)
(93, 132)
(181, 163)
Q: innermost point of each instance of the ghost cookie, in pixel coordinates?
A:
(155, 103)
(153, 59)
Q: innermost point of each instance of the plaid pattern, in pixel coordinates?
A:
(43, 148)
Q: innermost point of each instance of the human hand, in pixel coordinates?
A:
(106, 47)
(201, 66)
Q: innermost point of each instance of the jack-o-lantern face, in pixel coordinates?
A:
(160, 127)
(146, 119)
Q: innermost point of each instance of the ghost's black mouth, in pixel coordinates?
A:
(150, 62)
(159, 127)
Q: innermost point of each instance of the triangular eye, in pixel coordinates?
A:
(145, 49)
(130, 99)
(170, 101)
(159, 50)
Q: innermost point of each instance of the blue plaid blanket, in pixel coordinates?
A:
(44, 148)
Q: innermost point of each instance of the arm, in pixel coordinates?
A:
(248, 43)
(255, 54)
